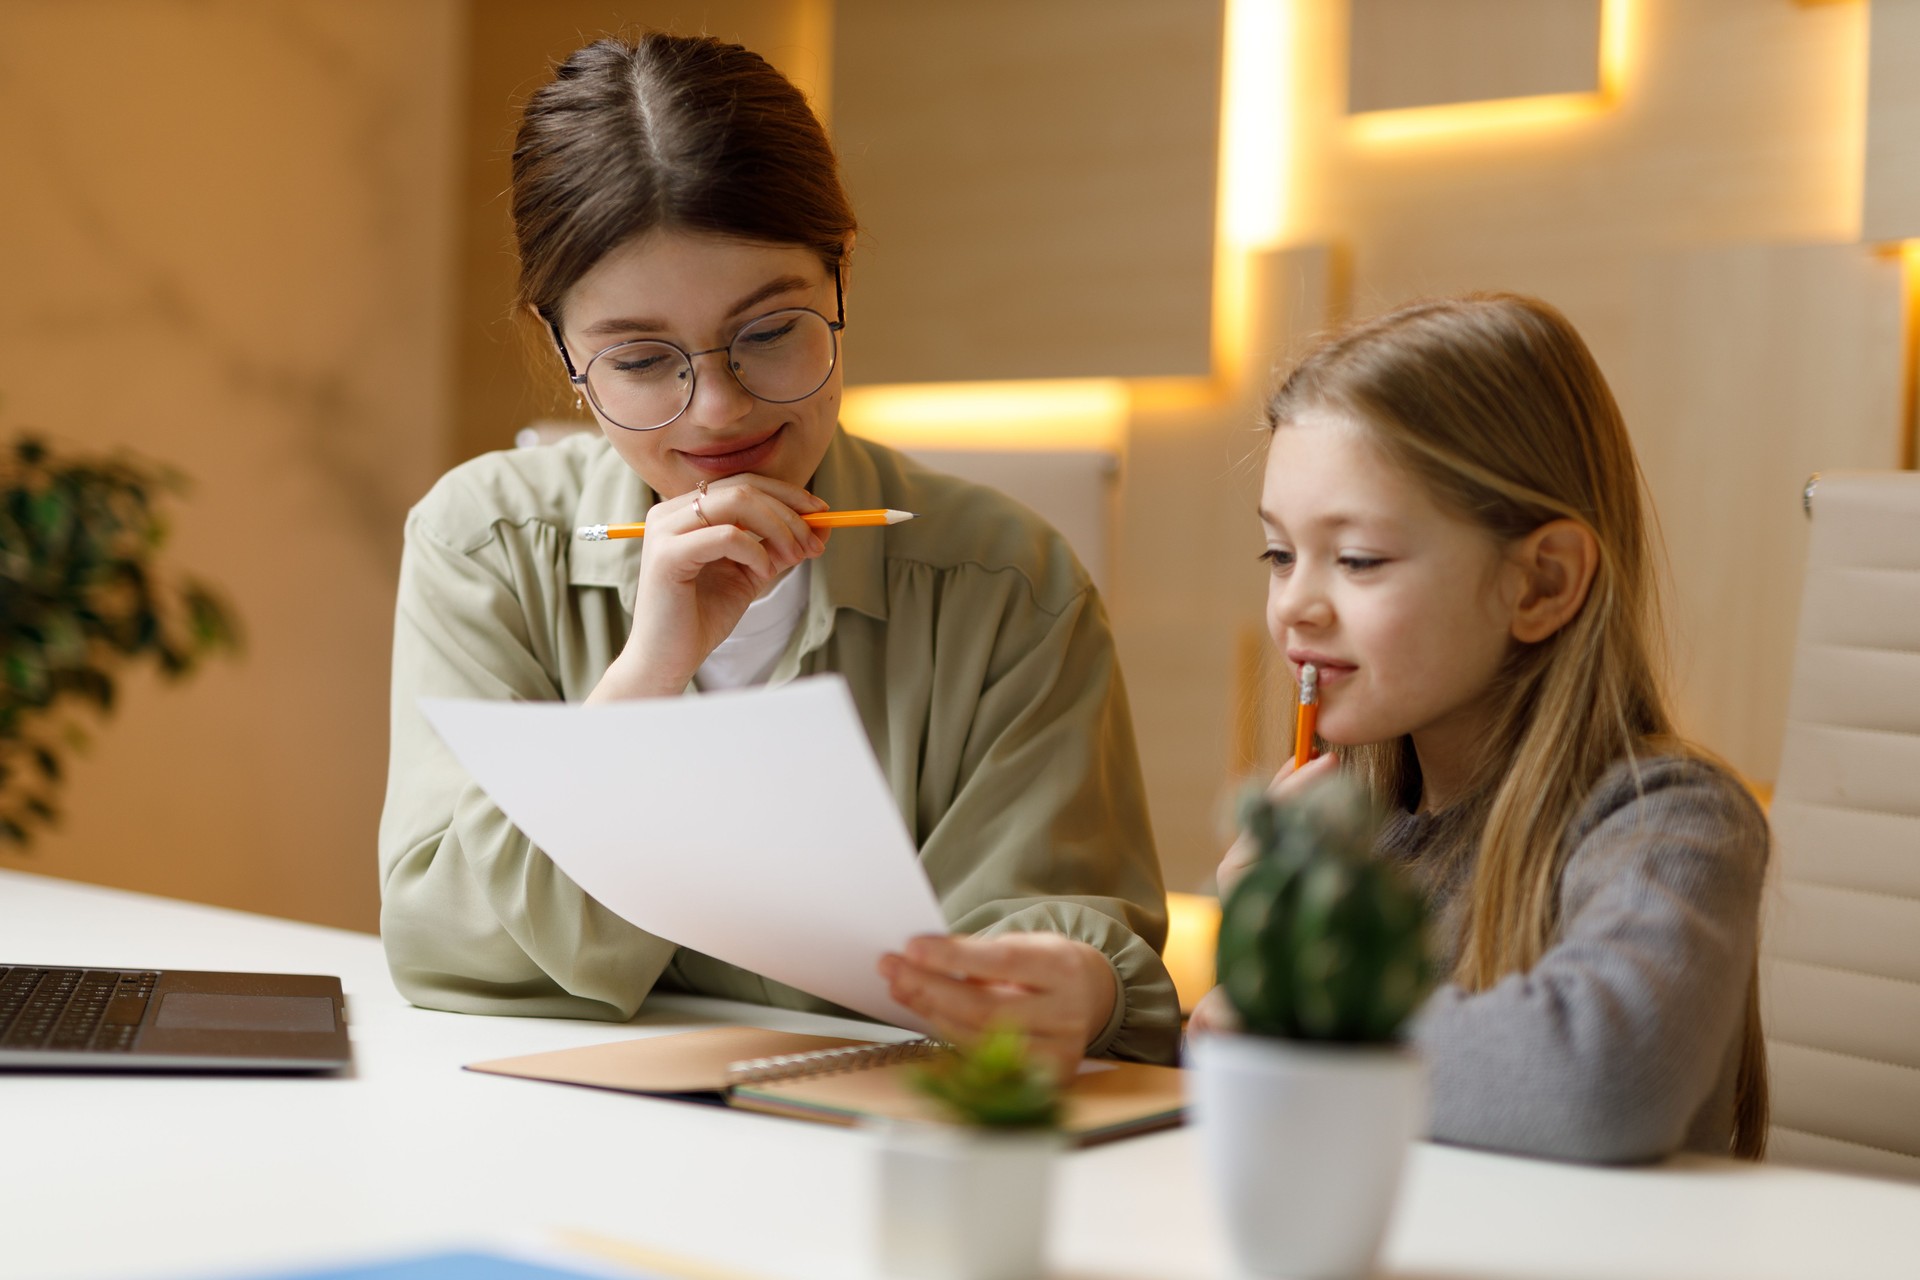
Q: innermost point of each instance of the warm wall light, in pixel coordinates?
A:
(1256, 134)
(1910, 447)
(1418, 124)
(1089, 413)
(1254, 143)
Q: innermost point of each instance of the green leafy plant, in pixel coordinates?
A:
(81, 597)
(1321, 940)
(994, 1083)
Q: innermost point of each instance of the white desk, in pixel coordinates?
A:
(164, 1177)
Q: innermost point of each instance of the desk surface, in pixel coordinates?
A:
(163, 1177)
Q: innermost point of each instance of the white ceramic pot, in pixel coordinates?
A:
(963, 1204)
(1304, 1145)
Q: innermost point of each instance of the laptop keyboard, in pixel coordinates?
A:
(69, 1010)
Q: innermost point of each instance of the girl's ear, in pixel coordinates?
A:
(1557, 563)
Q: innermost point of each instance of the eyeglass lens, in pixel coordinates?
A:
(780, 357)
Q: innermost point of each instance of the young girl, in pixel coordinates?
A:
(683, 237)
(1454, 526)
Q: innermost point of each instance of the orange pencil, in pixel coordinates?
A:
(818, 520)
(1309, 715)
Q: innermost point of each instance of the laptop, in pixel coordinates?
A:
(56, 1017)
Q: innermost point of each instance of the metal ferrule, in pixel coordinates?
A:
(1309, 685)
(591, 533)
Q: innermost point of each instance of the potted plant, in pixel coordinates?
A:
(968, 1200)
(1306, 1114)
(80, 598)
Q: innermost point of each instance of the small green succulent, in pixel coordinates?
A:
(1321, 940)
(995, 1083)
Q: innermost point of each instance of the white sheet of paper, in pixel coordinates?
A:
(754, 825)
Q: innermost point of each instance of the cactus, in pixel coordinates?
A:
(994, 1083)
(1320, 940)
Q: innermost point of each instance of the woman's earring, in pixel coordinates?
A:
(580, 403)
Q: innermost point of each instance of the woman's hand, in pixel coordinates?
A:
(1057, 991)
(1286, 785)
(708, 555)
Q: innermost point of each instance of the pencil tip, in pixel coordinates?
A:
(897, 517)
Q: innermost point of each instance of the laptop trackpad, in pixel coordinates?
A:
(197, 1011)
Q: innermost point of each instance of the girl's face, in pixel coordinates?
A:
(697, 290)
(1404, 606)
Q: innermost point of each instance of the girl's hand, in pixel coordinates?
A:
(1057, 991)
(708, 555)
(1286, 785)
(1213, 1013)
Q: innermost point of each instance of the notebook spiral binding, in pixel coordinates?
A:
(824, 1062)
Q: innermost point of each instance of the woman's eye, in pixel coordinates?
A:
(1278, 560)
(768, 336)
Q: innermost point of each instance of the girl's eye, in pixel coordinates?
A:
(1360, 564)
(1278, 560)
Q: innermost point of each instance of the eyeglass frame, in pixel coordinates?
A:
(834, 327)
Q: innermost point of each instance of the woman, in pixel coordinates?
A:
(683, 238)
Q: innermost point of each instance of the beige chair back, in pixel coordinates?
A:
(1840, 947)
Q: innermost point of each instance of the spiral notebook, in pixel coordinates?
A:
(835, 1079)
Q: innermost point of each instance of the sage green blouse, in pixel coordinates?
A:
(980, 660)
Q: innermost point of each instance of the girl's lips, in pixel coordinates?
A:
(735, 461)
(1330, 671)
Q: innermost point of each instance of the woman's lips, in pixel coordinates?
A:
(734, 461)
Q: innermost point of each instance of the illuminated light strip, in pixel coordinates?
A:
(1616, 46)
(1079, 413)
(1505, 115)
(1418, 124)
(1910, 408)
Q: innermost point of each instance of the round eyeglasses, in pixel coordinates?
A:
(780, 357)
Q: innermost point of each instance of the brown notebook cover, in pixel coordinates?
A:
(1106, 1100)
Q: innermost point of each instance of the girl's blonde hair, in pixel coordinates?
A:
(1495, 403)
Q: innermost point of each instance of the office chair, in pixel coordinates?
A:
(1840, 941)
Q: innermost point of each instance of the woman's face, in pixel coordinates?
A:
(1405, 607)
(696, 291)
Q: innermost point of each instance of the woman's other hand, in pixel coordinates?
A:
(708, 555)
(1057, 991)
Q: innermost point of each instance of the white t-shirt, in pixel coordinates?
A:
(749, 655)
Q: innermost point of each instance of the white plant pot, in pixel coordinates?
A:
(962, 1204)
(1304, 1145)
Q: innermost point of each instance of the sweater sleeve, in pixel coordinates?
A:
(1606, 1049)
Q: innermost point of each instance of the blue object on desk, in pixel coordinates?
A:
(463, 1266)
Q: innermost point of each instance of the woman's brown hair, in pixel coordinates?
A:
(660, 131)
(1496, 405)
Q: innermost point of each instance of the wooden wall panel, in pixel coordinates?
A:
(1188, 595)
(1754, 367)
(226, 245)
(1036, 183)
(1423, 53)
(1892, 189)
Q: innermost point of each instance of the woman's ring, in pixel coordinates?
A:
(696, 507)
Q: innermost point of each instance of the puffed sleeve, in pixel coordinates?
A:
(474, 917)
(1039, 818)
(1612, 1043)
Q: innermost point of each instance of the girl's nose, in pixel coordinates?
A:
(1298, 601)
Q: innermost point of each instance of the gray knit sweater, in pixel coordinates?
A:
(1623, 1042)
